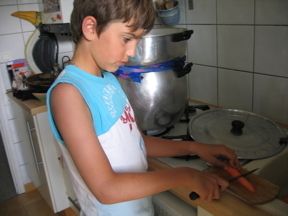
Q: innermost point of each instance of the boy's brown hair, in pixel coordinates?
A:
(141, 12)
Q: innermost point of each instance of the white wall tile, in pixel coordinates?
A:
(65, 43)
(8, 23)
(270, 97)
(8, 2)
(271, 12)
(235, 47)
(235, 89)
(202, 82)
(202, 45)
(27, 1)
(203, 12)
(13, 45)
(271, 50)
(27, 26)
(26, 36)
(235, 11)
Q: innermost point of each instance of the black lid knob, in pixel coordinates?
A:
(237, 127)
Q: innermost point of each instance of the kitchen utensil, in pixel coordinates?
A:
(40, 83)
(265, 190)
(250, 135)
(158, 97)
(194, 195)
(158, 101)
(160, 45)
(41, 51)
(170, 14)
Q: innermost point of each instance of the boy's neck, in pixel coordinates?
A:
(84, 61)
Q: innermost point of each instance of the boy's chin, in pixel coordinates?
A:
(112, 69)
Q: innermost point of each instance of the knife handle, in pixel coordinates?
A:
(193, 196)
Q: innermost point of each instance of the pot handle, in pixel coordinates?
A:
(185, 70)
(182, 36)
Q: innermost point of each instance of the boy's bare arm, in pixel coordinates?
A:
(158, 147)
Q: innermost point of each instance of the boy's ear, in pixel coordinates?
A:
(89, 25)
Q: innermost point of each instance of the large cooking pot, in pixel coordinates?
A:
(161, 44)
(158, 95)
(252, 136)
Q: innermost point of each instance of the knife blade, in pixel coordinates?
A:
(194, 195)
(242, 175)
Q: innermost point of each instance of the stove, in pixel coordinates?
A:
(180, 131)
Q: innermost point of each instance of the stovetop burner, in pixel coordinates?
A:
(188, 112)
(180, 131)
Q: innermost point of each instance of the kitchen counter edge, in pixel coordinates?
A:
(33, 106)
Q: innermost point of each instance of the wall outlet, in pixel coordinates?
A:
(5, 56)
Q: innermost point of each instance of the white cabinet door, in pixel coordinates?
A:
(34, 174)
(51, 165)
(24, 133)
(46, 156)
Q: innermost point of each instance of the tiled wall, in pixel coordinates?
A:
(240, 53)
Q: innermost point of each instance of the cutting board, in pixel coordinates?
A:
(265, 190)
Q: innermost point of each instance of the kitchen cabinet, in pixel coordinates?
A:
(48, 173)
(46, 157)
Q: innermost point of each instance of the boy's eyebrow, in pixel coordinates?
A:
(134, 35)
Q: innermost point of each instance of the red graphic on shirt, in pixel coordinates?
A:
(127, 117)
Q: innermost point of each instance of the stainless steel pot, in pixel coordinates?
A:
(161, 44)
(158, 100)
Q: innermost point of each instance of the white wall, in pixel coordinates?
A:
(240, 53)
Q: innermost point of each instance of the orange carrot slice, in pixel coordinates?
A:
(233, 172)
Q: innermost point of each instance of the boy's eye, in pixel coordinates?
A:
(126, 39)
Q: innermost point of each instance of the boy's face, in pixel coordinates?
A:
(114, 45)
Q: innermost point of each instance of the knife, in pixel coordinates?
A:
(194, 195)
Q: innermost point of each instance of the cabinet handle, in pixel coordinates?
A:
(32, 145)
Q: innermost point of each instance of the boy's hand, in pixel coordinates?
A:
(217, 155)
(208, 186)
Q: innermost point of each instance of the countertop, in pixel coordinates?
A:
(228, 205)
(33, 106)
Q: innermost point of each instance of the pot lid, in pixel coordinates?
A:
(250, 135)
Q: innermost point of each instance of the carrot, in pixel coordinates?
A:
(233, 172)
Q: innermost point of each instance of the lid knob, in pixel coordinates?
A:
(237, 127)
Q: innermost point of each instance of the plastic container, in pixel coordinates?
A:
(170, 16)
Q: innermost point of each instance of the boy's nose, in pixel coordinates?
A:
(131, 51)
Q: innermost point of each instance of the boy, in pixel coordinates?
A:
(85, 105)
